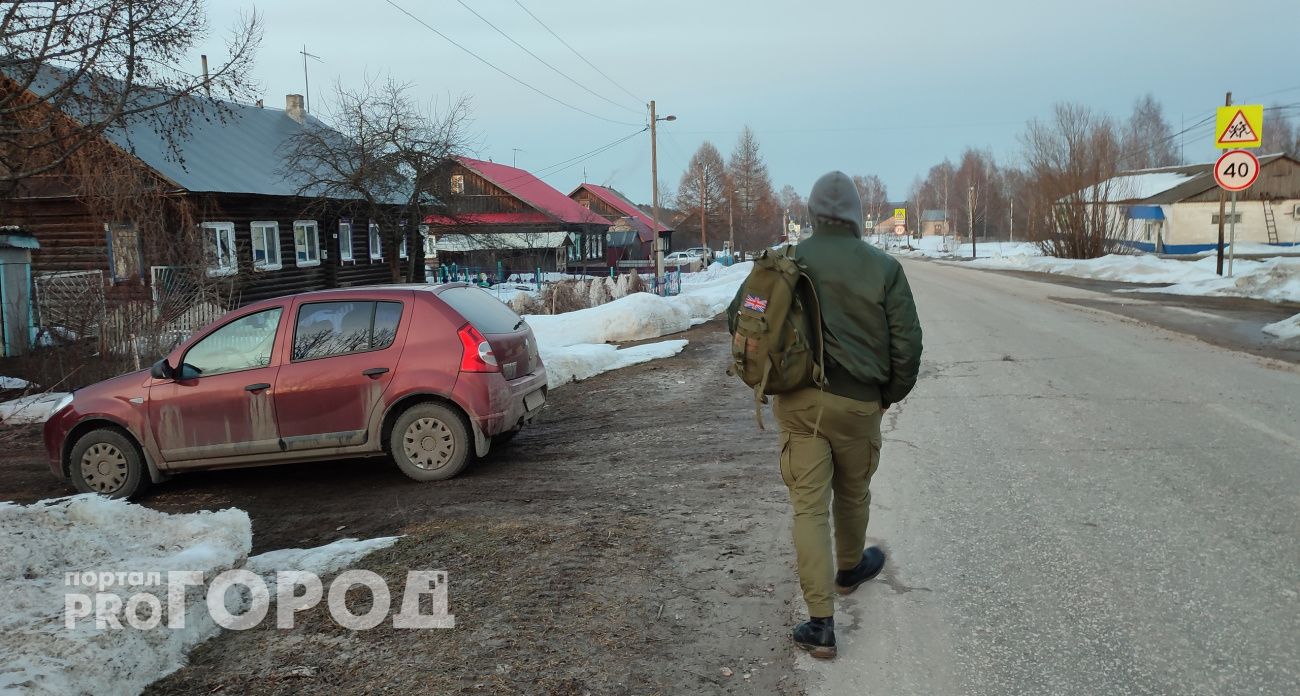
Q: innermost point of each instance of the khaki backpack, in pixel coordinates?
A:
(776, 342)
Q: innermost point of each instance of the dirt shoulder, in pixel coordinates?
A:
(635, 540)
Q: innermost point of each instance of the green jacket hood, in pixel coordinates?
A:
(834, 196)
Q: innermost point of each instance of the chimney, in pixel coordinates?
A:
(259, 103)
(207, 84)
(293, 106)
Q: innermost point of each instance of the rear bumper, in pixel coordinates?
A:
(497, 405)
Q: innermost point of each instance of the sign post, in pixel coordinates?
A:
(1236, 170)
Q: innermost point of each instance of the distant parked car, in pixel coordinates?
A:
(431, 375)
(679, 258)
(703, 253)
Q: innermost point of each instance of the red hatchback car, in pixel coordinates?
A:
(429, 375)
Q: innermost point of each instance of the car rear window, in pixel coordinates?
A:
(339, 328)
(488, 314)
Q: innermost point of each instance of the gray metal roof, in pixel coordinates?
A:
(241, 152)
(229, 148)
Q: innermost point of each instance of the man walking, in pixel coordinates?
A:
(830, 440)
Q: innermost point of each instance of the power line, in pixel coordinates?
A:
(572, 161)
(579, 55)
(539, 59)
(484, 61)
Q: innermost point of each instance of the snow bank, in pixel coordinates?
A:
(13, 383)
(572, 345)
(939, 247)
(45, 540)
(1130, 268)
(575, 363)
(1274, 280)
(321, 560)
(1254, 249)
(1285, 329)
(641, 316)
(36, 408)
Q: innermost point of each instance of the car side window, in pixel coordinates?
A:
(325, 329)
(243, 344)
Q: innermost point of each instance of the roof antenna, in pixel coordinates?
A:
(307, 85)
(514, 158)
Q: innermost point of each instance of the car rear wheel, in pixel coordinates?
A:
(107, 462)
(430, 442)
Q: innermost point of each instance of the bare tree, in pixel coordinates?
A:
(752, 202)
(72, 70)
(875, 197)
(702, 195)
(792, 204)
(1073, 160)
(1148, 141)
(384, 152)
(1280, 134)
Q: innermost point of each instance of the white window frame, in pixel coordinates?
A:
(311, 246)
(458, 183)
(345, 241)
(401, 248)
(224, 264)
(375, 240)
(258, 230)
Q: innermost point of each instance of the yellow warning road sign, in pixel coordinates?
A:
(1239, 126)
(900, 216)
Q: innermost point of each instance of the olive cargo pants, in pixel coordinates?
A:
(841, 458)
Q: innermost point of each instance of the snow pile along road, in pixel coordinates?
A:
(46, 541)
(940, 247)
(1285, 329)
(1116, 267)
(49, 541)
(572, 344)
(1274, 280)
(36, 408)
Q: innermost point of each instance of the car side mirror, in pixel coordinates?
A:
(161, 370)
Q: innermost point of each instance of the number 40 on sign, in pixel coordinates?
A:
(1236, 170)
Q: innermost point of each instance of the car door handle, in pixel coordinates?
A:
(374, 371)
(260, 386)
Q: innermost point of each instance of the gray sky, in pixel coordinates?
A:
(862, 86)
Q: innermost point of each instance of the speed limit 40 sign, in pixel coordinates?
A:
(1236, 170)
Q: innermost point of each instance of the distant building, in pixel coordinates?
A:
(505, 216)
(934, 223)
(632, 237)
(1175, 210)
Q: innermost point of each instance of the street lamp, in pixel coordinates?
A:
(654, 187)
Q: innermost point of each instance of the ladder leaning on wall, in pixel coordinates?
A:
(1270, 222)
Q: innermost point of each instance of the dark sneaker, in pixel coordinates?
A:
(817, 636)
(873, 560)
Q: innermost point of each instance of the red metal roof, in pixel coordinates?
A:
(617, 201)
(535, 192)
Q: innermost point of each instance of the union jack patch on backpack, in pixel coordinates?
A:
(755, 303)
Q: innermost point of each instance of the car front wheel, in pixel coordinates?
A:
(106, 462)
(430, 442)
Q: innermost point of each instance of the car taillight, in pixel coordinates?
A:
(477, 355)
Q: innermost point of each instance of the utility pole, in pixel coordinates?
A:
(1218, 266)
(731, 220)
(658, 245)
(970, 219)
(704, 239)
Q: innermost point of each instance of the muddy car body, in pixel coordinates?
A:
(430, 375)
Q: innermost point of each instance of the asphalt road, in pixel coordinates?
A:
(1075, 502)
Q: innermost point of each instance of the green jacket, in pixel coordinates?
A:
(873, 336)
